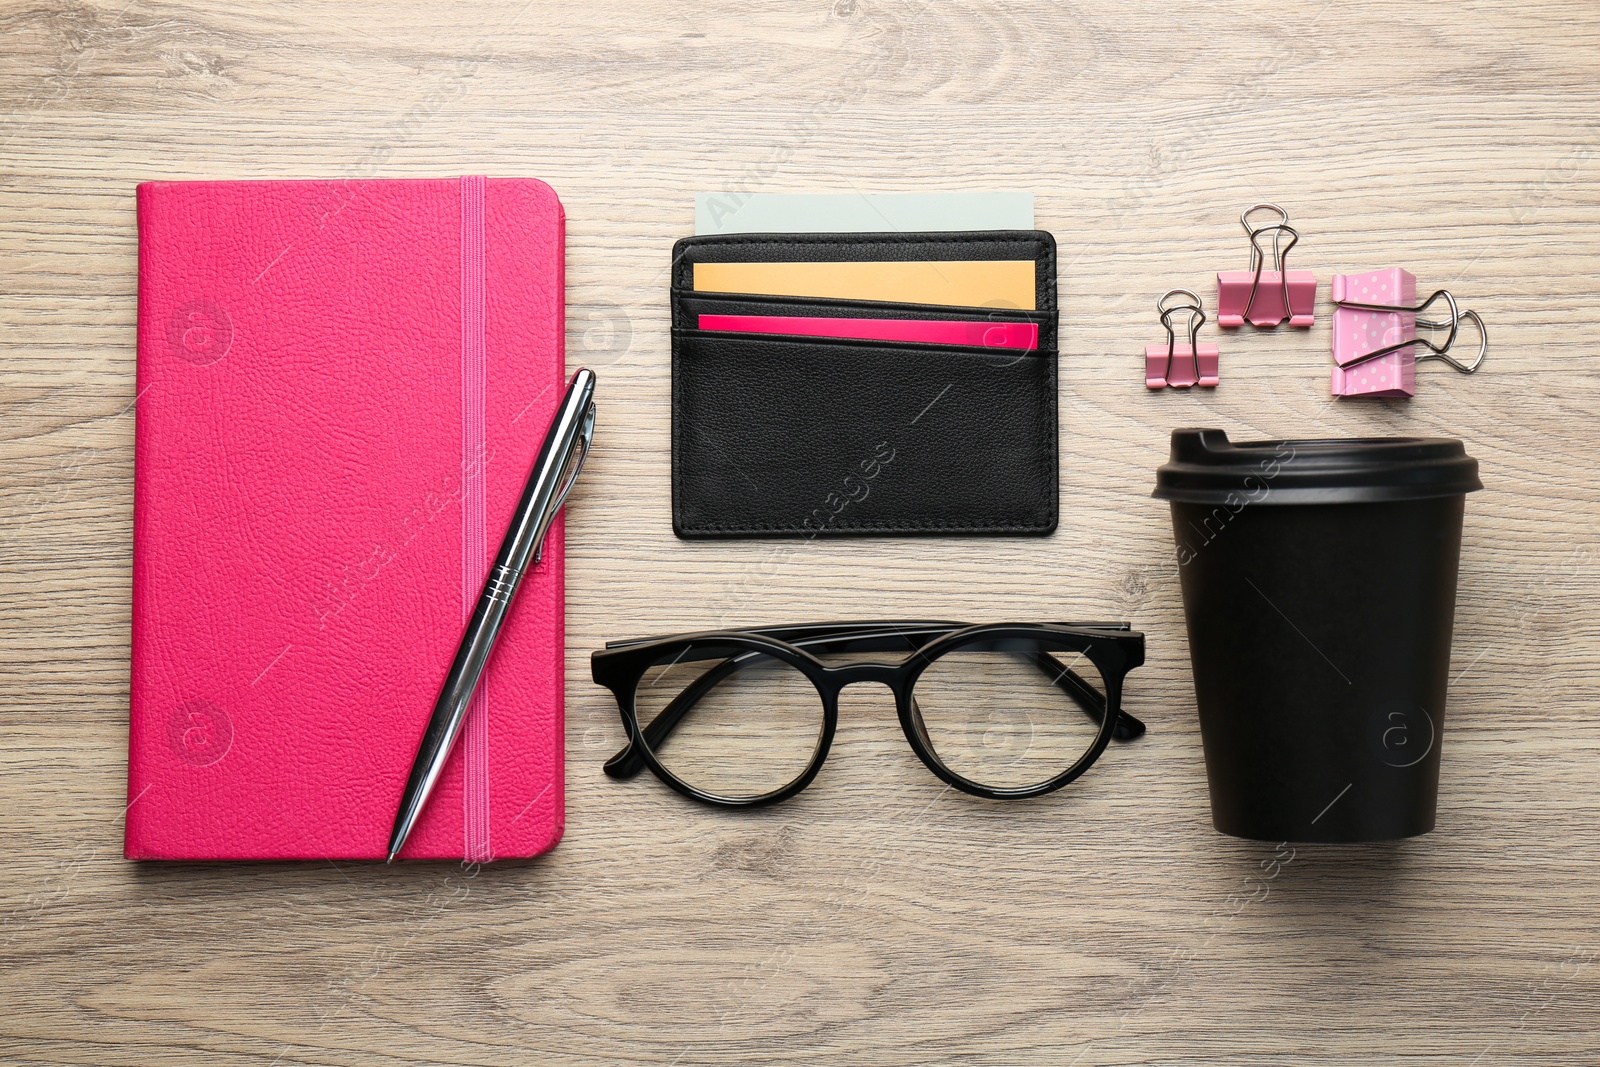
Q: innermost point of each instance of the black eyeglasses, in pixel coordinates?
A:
(742, 718)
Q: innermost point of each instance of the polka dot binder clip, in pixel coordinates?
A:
(1267, 298)
(1375, 321)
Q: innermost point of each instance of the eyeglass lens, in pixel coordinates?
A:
(993, 713)
(742, 726)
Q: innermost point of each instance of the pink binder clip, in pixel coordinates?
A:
(1267, 297)
(1180, 366)
(1375, 320)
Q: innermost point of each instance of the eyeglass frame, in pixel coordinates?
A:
(1113, 647)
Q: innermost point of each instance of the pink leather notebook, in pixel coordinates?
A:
(342, 387)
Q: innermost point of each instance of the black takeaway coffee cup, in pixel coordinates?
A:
(1319, 586)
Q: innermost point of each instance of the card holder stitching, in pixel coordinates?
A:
(1044, 239)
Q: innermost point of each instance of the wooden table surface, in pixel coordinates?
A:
(879, 918)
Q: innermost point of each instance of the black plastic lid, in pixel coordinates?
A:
(1206, 468)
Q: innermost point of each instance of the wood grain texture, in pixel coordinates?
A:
(878, 918)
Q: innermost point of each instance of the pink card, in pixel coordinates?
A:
(1024, 335)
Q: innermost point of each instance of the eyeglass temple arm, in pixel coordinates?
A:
(1087, 697)
(800, 633)
(628, 762)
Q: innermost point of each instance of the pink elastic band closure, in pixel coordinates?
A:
(474, 527)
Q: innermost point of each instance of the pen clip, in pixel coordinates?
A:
(585, 438)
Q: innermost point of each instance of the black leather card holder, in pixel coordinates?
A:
(789, 436)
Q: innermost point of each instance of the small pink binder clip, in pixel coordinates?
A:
(1267, 297)
(1375, 320)
(1180, 366)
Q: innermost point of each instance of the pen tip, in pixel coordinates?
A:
(393, 852)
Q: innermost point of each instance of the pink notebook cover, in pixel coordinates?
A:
(342, 387)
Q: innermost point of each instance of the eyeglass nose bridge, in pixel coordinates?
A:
(850, 673)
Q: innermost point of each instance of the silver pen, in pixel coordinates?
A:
(571, 433)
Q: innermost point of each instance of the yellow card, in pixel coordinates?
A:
(1005, 283)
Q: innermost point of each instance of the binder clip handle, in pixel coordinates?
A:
(1280, 255)
(1197, 315)
(1443, 354)
(1440, 352)
(1203, 358)
(1278, 229)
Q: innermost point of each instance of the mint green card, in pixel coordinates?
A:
(718, 213)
